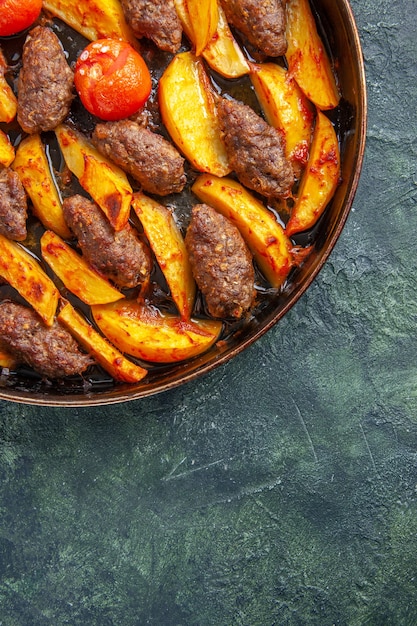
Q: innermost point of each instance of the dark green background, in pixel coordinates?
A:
(280, 488)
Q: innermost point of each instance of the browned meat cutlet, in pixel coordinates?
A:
(45, 84)
(120, 256)
(254, 149)
(156, 20)
(262, 22)
(148, 157)
(221, 263)
(50, 351)
(13, 206)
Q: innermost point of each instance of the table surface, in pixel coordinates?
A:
(278, 489)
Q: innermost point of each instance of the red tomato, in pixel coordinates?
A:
(112, 79)
(16, 15)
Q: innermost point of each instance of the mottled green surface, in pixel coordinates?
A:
(280, 488)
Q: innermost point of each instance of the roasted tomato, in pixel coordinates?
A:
(112, 79)
(16, 15)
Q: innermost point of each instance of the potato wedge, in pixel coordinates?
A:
(103, 352)
(95, 19)
(106, 187)
(7, 360)
(307, 58)
(189, 113)
(21, 270)
(8, 101)
(320, 178)
(222, 52)
(168, 245)
(263, 234)
(74, 271)
(7, 152)
(106, 183)
(204, 17)
(145, 333)
(286, 108)
(32, 167)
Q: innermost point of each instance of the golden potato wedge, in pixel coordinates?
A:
(21, 270)
(95, 19)
(7, 360)
(168, 245)
(74, 271)
(307, 58)
(286, 108)
(103, 352)
(222, 52)
(320, 178)
(8, 101)
(145, 333)
(264, 235)
(189, 113)
(107, 189)
(106, 183)
(204, 17)
(7, 152)
(32, 167)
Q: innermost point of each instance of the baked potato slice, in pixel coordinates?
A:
(307, 58)
(168, 245)
(21, 270)
(7, 151)
(222, 51)
(8, 101)
(32, 167)
(143, 332)
(189, 113)
(286, 108)
(204, 17)
(7, 360)
(94, 19)
(115, 363)
(319, 180)
(106, 183)
(74, 271)
(266, 238)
